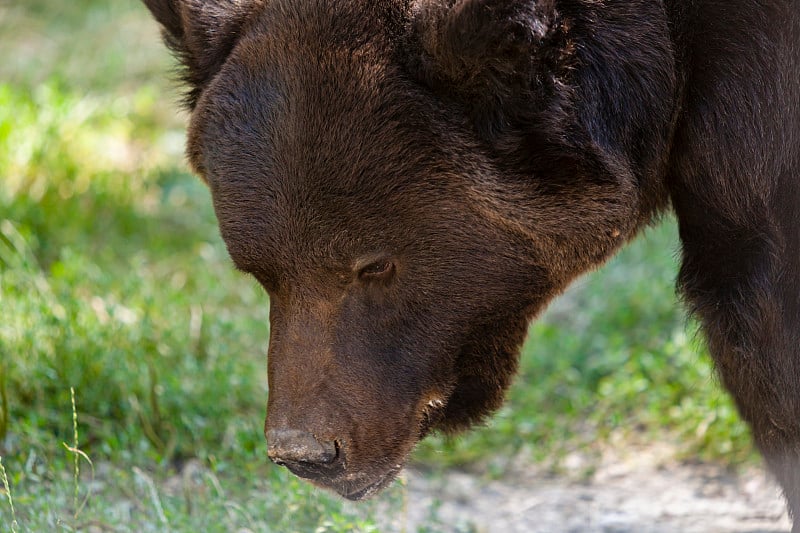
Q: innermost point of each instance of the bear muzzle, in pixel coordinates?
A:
(323, 463)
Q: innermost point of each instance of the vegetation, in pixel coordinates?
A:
(114, 282)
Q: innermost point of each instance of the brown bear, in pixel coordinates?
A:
(413, 180)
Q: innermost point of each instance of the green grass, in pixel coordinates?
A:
(114, 282)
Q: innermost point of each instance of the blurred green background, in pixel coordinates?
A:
(114, 282)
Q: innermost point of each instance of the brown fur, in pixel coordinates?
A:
(413, 181)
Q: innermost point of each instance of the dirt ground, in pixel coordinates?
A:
(642, 491)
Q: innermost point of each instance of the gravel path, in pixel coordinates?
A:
(644, 492)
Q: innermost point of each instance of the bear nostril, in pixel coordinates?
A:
(297, 446)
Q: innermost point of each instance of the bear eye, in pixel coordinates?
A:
(382, 269)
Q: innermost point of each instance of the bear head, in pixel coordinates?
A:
(410, 182)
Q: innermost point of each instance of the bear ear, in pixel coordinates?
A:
(202, 34)
(490, 54)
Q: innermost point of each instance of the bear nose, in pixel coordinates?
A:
(293, 447)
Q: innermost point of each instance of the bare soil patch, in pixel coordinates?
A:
(644, 490)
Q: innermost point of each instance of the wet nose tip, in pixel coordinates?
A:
(297, 446)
